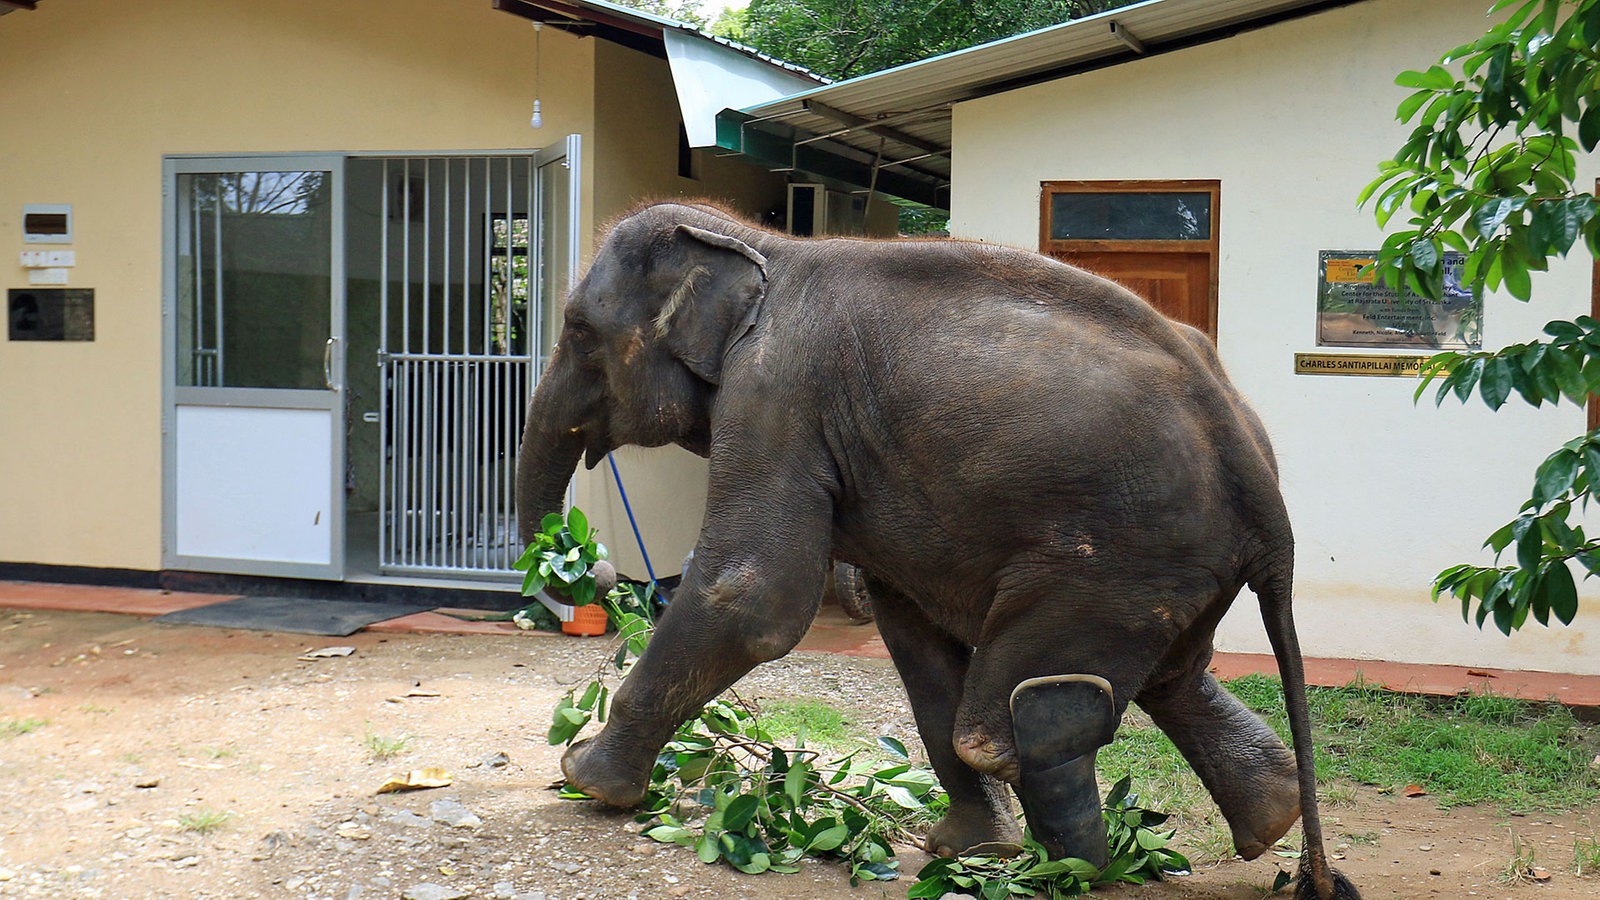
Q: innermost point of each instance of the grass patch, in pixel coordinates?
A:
(818, 723)
(10, 728)
(381, 747)
(203, 820)
(1586, 855)
(1519, 866)
(1465, 750)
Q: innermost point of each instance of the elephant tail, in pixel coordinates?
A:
(1274, 588)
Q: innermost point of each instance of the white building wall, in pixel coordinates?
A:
(1293, 119)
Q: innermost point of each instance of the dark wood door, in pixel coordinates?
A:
(1157, 238)
(1176, 283)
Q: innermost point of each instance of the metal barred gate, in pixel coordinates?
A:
(476, 255)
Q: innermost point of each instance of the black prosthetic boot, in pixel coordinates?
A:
(1059, 721)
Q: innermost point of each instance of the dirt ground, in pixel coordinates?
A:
(149, 731)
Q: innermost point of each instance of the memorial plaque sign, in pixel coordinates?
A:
(1353, 310)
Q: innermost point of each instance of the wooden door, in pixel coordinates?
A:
(1157, 238)
(1178, 284)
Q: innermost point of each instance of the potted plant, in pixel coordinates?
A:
(565, 564)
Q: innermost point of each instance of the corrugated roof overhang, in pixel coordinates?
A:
(891, 130)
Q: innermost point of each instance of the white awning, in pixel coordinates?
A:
(711, 76)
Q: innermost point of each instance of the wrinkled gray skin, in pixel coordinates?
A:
(1039, 473)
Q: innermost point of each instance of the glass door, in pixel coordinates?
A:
(253, 425)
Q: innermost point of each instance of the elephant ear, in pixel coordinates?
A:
(718, 282)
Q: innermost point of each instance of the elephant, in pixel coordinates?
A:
(1039, 474)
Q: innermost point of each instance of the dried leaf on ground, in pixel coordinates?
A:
(327, 652)
(417, 779)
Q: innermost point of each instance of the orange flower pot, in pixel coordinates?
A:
(587, 621)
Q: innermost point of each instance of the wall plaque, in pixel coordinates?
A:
(1353, 310)
(1358, 364)
(50, 314)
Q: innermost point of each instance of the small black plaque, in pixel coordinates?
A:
(50, 314)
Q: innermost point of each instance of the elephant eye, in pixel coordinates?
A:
(582, 337)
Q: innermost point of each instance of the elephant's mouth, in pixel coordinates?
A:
(595, 447)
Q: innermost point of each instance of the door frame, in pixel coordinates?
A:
(1211, 246)
(174, 396)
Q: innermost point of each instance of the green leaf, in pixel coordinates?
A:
(893, 747)
(1496, 384)
(880, 871)
(930, 887)
(1561, 591)
(829, 839)
(1555, 476)
(1119, 792)
(578, 525)
(1436, 78)
(1493, 214)
(794, 782)
(708, 849)
(739, 812)
(1518, 282)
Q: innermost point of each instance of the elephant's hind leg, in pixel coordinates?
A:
(933, 667)
(1241, 761)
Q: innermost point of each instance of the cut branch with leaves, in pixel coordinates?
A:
(1489, 171)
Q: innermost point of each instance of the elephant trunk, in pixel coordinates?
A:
(552, 442)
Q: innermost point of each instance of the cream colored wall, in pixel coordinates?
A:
(96, 93)
(1293, 120)
(636, 146)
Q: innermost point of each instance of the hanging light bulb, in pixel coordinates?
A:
(537, 120)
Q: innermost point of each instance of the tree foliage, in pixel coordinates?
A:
(690, 12)
(1490, 170)
(844, 38)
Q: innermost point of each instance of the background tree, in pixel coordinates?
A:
(841, 39)
(1489, 170)
(690, 12)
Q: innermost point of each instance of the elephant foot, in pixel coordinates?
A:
(975, 828)
(1267, 816)
(593, 772)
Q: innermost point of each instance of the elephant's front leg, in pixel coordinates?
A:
(933, 667)
(1243, 763)
(749, 596)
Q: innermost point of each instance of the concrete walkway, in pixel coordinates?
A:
(833, 633)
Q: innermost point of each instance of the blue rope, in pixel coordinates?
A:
(631, 521)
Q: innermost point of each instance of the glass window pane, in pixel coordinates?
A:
(1130, 217)
(255, 287)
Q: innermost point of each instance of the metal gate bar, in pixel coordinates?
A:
(457, 341)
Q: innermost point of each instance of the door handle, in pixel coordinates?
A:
(327, 363)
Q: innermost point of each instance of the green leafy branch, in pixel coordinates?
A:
(1139, 852)
(1488, 170)
(723, 787)
(1504, 196)
(560, 557)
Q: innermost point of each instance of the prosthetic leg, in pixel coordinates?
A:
(1059, 721)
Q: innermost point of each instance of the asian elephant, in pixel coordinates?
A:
(1040, 474)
